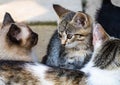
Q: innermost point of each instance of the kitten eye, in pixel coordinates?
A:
(60, 35)
(69, 36)
(79, 35)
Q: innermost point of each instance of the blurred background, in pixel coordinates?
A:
(41, 17)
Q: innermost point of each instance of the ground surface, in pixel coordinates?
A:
(45, 32)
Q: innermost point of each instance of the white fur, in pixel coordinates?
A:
(39, 71)
(24, 34)
(103, 77)
(97, 76)
(2, 81)
(71, 45)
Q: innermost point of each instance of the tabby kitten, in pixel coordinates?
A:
(104, 67)
(75, 34)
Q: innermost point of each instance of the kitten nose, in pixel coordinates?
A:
(63, 41)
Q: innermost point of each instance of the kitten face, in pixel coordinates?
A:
(73, 27)
(17, 38)
(18, 34)
(21, 35)
(78, 30)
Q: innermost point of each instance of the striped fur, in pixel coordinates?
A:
(72, 49)
(104, 67)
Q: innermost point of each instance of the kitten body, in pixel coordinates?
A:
(53, 50)
(30, 73)
(103, 68)
(16, 64)
(74, 30)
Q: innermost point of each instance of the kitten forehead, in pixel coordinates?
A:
(25, 30)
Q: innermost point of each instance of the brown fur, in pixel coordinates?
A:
(16, 64)
(13, 73)
(65, 77)
(17, 39)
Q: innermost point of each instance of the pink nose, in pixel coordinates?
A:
(63, 41)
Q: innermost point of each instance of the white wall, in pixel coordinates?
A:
(35, 10)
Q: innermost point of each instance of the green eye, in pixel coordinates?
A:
(69, 36)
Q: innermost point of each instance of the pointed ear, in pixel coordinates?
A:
(60, 10)
(80, 19)
(13, 34)
(99, 35)
(7, 19)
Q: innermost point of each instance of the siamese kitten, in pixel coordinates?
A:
(104, 66)
(17, 39)
(75, 34)
(16, 64)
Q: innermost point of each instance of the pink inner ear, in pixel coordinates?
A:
(95, 34)
(78, 23)
(99, 34)
(94, 39)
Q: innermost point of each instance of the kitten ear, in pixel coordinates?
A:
(7, 19)
(80, 19)
(99, 35)
(13, 34)
(60, 10)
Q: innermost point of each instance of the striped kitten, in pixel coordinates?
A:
(104, 67)
(16, 64)
(75, 34)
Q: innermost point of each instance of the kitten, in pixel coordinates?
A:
(17, 39)
(75, 33)
(16, 64)
(104, 67)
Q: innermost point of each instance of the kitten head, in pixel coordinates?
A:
(17, 39)
(74, 28)
(78, 31)
(106, 49)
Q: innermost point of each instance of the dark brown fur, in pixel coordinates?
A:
(66, 77)
(15, 73)
(109, 54)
